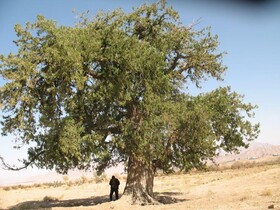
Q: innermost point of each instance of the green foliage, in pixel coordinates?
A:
(119, 75)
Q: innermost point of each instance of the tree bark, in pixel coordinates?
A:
(140, 182)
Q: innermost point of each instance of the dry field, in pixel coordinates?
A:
(244, 188)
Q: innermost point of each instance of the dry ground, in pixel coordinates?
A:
(246, 188)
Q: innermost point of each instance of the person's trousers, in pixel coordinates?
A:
(116, 191)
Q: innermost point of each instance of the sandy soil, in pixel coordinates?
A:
(252, 188)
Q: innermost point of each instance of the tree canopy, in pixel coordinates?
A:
(111, 89)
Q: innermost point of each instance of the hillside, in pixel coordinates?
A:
(246, 188)
(257, 152)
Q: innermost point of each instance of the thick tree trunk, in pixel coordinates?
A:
(140, 182)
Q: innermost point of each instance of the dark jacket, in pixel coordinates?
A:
(114, 182)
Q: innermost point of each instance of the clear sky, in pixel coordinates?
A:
(249, 32)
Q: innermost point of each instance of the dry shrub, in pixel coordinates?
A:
(70, 184)
(38, 185)
(54, 184)
(65, 178)
(99, 178)
(266, 192)
(50, 199)
(16, 187)
(7, 188)
(244, 198)
(84, 179)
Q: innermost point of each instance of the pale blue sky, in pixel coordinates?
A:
(249, 33)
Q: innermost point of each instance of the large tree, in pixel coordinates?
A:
(113, 89)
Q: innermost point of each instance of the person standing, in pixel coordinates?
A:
(114, 183)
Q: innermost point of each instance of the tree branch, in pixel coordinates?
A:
(6, 166)
(175, 62)
(93, 74)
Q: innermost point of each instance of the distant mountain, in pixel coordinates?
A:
(256, 151)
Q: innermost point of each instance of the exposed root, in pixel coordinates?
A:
(142, 200)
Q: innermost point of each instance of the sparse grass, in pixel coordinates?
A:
(240, 165)
(54, 184)
(202, 190)
(82, 180)
(17, 187)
